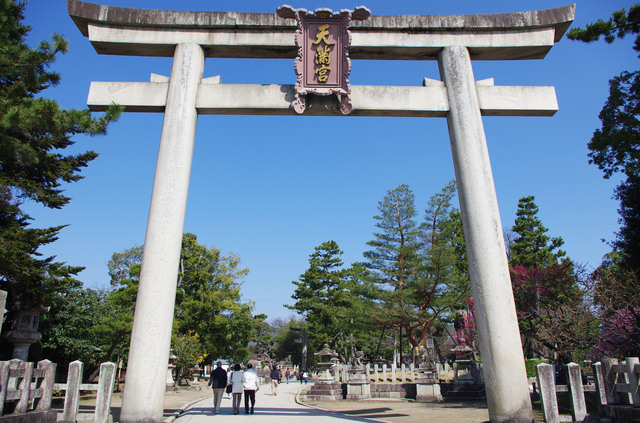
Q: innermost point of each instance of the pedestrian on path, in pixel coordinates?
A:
(218, 381)
(237, 377)
(287, 374)
(275, 379)
(251, 384)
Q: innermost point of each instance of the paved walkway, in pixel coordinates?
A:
(285, 408)
(269, 408)
(189, 406)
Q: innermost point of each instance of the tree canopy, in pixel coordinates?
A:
(34, 134)
(615, 148)
(418, 270)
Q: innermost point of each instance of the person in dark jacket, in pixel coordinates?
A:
(218, 381)
(275, 380)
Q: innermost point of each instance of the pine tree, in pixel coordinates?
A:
(321, 296)
(34, 132)
(532, 247)
(418, 270)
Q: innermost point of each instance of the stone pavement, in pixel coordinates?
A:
(187, 406)
(284, 407)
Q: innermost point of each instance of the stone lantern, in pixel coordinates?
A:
(327, 361)
(24, 331)
(171, 384)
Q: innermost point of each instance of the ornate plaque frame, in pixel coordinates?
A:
(325, 70)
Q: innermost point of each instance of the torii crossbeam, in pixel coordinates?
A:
(452, 40)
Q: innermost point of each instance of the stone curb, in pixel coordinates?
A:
(299, 401)
(184, 408)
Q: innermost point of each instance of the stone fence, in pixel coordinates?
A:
(409, 373)
(32, 391)
(406, 381)
(616, 388)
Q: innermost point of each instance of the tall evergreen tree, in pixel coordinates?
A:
(34, 132)
(532, 247)
(326, 296)
(417, 269)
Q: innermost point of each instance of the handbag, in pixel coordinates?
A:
(229, 386)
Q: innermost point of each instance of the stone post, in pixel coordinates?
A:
(576, 392)
(384, 372)
(632, 377)
(403, 374)
(600, 386)
(72, 394)
(613, 397)
(547, 385)
(106, 380)
(143, 397)
(3, 303)
(375, 372)
(506, 378)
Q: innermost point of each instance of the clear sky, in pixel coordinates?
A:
(269, 189)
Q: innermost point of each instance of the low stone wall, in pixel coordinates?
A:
(393, 390)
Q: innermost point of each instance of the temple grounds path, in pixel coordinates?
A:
(284, 407)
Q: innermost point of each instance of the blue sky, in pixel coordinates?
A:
(264, 192)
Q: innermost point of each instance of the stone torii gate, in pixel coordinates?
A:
(452, 40)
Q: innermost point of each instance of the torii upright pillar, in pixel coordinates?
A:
(500, 345)
(143, 398)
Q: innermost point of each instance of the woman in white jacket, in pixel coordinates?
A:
(236, 387)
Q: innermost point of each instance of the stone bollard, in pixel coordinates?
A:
(403, 374)
(384, 372)
(412, 368)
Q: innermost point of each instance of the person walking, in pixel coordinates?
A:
(287, 375)
(251, 384)
(275, 379)
(218, 381)
(237, 377)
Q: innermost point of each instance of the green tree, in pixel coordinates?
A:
(34, 133)
(327, 297)
(532, 247)
(615, 148)
(546, 290)
(417, 270)
(209, 303)
(67, 330)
